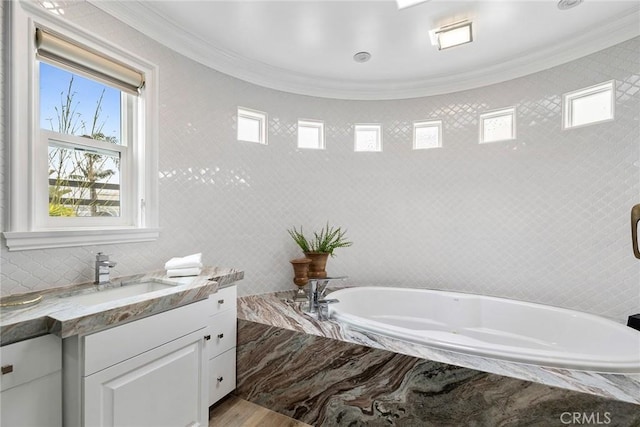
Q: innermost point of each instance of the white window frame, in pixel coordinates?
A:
(25, 229)
(568, 98)
(498, 113)
(427, 124)
(313, 124)
(367, 127)
(260, 117)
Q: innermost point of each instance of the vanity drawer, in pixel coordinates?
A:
(222, 375)
(223, 300)
(223, 329)
(27, 360)
(111, 346)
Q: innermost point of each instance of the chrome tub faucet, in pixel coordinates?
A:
(102, 268)
(317, 305)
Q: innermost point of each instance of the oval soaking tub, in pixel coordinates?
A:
(491, 327)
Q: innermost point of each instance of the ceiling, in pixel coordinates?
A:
(307, 47)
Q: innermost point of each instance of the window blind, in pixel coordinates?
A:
(61, 51)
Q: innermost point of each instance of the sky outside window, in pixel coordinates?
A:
(54, 84)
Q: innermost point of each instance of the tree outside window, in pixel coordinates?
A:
(83, 180)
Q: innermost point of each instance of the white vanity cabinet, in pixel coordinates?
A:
(31, 383)
(149, 372)
(222, 345)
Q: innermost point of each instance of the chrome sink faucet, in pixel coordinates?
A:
(102, 268)
(317, 305)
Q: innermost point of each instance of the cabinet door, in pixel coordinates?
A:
(36, 403)
(31, 383)
(165, 386)
(222, 375)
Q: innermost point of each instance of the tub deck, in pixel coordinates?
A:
(278, 310)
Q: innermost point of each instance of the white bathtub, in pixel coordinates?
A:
(492, 327)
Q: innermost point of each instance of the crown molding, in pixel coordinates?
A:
(144, 18)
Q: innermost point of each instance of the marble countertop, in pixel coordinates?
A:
(279, 310)
(59, 315)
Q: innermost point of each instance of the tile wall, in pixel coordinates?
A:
(544, 218)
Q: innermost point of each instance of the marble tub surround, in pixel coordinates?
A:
(59, 315)
(278, 310)
(328, 382)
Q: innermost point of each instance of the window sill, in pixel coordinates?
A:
(28, 240)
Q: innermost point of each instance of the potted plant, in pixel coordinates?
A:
(319, 247)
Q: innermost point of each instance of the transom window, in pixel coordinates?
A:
(252, 126)
(311, 134)
(498, 125)
(427, 134)
(586, 106)
(368, 137)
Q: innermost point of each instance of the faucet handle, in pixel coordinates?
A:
(102, 257)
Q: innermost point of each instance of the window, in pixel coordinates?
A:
(427, 134)
(368, 137)
(82, 128)
(252, 126)
(498, 125)
(586, 106)
(85, 170)
(311, 134)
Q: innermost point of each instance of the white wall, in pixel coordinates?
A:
(544, 218)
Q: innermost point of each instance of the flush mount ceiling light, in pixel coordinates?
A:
(452, 35)
(402, 4)
(568, 4)
(362, 57)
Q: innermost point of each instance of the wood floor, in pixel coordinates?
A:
(235, 412)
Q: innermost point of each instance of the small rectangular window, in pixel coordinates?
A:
(498, 125)
(427, 135)
(311, 134)
(586, 106)
(252, 126)
(368, 137)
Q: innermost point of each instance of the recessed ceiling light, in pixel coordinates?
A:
(362, 57)
(568, 4)
(452, 35)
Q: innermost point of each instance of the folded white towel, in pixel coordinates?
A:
(180, 272)
(189, 261)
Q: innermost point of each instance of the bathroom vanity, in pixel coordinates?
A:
(148, 372)
(156, 358)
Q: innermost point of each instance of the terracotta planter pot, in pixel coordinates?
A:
(300, 271)
(318, 264)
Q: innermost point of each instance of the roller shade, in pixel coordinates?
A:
(58, 50)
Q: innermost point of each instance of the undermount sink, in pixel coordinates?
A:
(113, 294)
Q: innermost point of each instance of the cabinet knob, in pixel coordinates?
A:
(220, 336)
(207, 337)
(7, 369)
(220, 379)
(220, 301)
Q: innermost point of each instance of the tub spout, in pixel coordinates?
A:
(317, 288)
(323, 308)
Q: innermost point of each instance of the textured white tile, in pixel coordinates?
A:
(543, 218)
